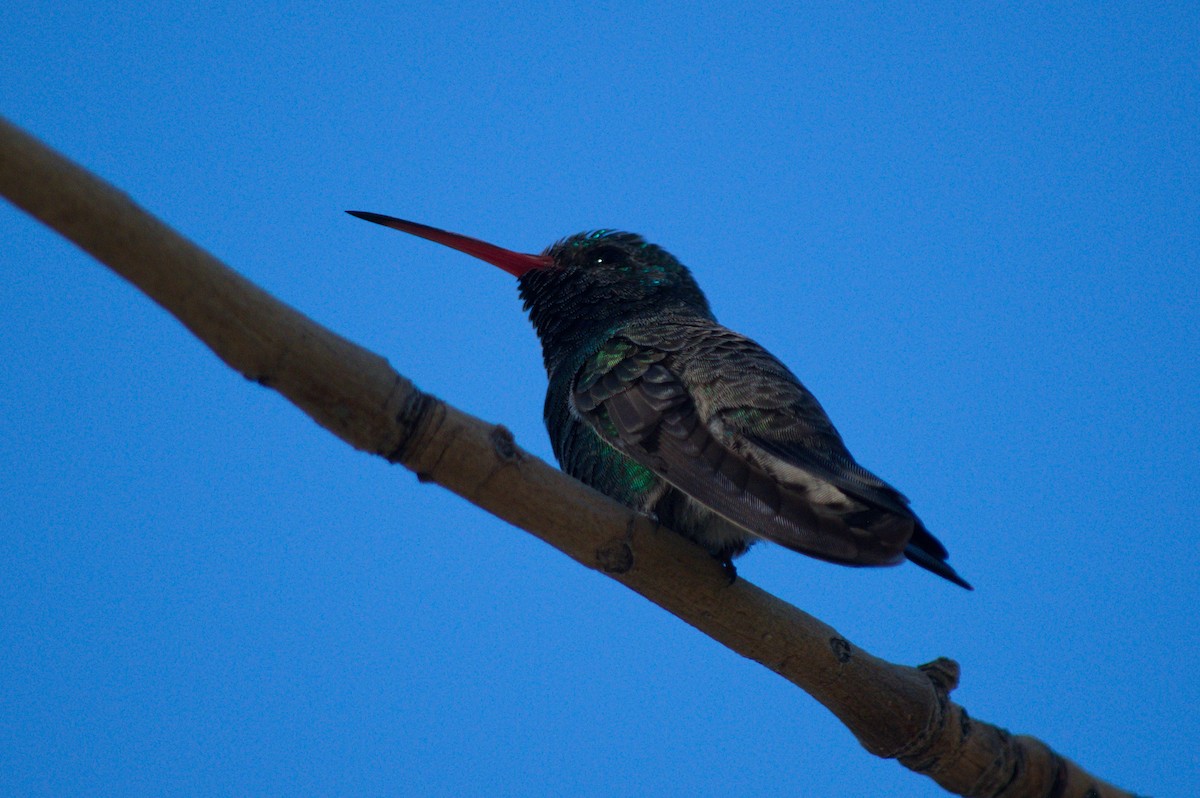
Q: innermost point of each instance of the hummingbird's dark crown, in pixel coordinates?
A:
(602, 280)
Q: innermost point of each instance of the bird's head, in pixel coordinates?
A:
(584, 287)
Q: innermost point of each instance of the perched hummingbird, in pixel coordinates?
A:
(655, 404)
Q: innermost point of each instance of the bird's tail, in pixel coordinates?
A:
(925, 550)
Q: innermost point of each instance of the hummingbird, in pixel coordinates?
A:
(655, 404)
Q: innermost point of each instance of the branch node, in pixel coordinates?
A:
(504, 445)
(943, 673)
(841, 649)
(413, 420)
(938, 744)
(1008, 762)
(615, 556)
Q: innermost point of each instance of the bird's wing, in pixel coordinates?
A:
(727, 424)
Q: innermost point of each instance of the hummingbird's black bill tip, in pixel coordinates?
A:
(370, 217)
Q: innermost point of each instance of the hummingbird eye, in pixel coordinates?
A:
(607, 256)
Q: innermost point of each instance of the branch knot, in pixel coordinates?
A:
(413, 420)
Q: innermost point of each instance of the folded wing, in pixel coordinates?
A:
(723, 421)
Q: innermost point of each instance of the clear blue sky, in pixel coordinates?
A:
(970, 229)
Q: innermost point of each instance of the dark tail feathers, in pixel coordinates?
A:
(926, 551)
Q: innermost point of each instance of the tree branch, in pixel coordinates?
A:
(894, 710)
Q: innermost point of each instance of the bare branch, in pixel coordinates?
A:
(895, 711)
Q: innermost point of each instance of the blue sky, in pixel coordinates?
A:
(969, 228)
